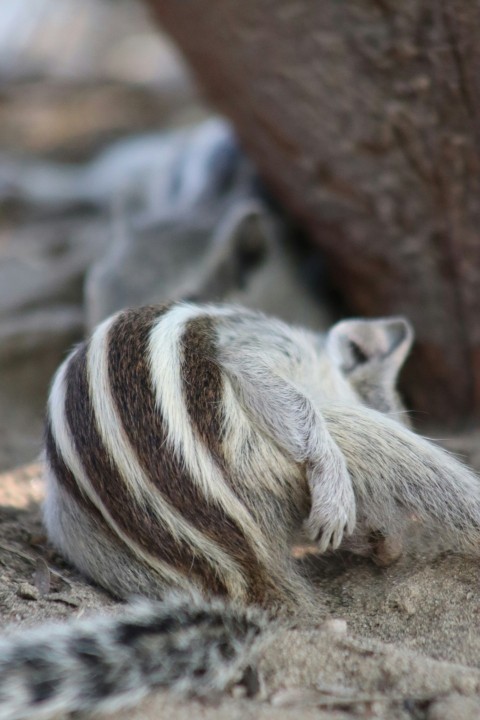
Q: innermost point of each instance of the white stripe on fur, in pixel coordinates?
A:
(146, 494)
(64, 442)
(165, 364)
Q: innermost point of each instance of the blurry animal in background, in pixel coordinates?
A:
(189, 218)
(234, 251)
(147, 171)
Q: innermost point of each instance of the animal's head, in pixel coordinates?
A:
(370, 354)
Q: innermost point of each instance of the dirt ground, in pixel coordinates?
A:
(407, 644)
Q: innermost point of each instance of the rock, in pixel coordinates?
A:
(27, 591)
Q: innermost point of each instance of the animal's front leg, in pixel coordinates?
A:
(332, 511)
(281, 411)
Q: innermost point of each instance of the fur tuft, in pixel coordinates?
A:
(399, 476)
(190, 646)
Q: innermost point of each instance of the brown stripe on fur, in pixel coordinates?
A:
(66, 479)
(137, 523)
(202, 383)
(142, 421)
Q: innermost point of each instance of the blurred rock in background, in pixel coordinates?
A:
(117, 188)
(74, 75)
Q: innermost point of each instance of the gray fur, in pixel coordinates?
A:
(105, 663)
(312, 440)
(400, 477)
(310, 437)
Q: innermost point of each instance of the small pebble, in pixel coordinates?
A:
(27, 591)
(335, 625)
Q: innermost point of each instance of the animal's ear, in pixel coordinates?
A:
(376, 346)
(242, 242)
(247, 232)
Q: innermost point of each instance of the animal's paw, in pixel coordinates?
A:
(333, 512)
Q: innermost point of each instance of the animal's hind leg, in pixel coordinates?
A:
(381, 545)
(400, 477)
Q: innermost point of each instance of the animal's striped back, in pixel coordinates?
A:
(134, 438)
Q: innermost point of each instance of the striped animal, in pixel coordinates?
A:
(186, 447)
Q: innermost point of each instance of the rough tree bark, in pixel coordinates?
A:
(364, 117)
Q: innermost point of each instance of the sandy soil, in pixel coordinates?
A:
(409, 646)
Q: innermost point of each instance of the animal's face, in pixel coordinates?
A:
(369, 354)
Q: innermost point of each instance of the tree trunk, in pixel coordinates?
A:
(364, 118)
